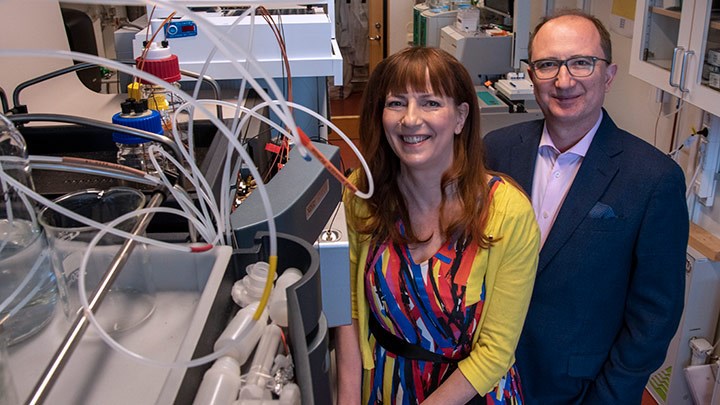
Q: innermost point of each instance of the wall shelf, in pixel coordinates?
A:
(704, 242)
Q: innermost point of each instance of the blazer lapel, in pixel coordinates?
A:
(524, 153)
(593, 178)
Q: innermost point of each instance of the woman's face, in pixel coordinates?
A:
(421, 127)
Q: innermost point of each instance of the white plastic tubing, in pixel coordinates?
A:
(109, 228)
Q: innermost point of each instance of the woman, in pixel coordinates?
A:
(443, 255)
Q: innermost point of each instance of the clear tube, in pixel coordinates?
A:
(182, 198)
(195, 177)
(224, 205)
(252, 113)
(206, 197)
(196, 91)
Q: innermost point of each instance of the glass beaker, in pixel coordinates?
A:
(8, 394)
(28, 291)
(131, 299)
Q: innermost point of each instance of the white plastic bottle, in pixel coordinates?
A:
(277, 304)
(241, 334)
(250, 288)
(220, 384)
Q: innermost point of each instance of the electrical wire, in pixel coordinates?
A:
(146, 47)
(3, 101)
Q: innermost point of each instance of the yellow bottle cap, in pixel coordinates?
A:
(158, 102)
(133, 90)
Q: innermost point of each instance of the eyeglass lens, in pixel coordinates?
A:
(578, 67)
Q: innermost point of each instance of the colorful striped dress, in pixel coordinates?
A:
(424, 304)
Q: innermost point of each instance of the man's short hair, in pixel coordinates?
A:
(605, 42)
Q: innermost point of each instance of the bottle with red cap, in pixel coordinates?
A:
(159, 61)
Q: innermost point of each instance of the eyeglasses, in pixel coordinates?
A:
(578, 66)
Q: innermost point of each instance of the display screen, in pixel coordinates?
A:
(504, 7)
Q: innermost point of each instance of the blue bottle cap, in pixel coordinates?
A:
(149, 121)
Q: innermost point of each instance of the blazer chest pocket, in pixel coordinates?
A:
(602, 224)
(585, 365)
(602, 217)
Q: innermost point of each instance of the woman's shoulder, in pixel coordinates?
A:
(508, 196)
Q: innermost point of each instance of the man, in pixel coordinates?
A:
(614, 227)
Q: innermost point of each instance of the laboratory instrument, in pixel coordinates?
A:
(303, 197)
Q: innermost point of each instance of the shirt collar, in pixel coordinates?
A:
(580, 148)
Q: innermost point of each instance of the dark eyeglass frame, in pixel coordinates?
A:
(564, 62)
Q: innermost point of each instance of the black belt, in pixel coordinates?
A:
(399, 347)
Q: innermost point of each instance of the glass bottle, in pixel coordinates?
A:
(159, 61)
(133, 151)
(28, 288)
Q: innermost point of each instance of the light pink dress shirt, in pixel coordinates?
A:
(554, 174)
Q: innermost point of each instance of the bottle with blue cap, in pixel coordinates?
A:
(133, 151)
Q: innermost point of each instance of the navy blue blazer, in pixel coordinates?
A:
(610, 284)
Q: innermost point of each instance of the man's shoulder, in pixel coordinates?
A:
(521, 127)
(638, 149)
(511, 132)
(655, 163)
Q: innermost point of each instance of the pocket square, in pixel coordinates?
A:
(601, 211)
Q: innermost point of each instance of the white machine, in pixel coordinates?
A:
(483, 53)
(507, 47)
(308, 32)
(493, 53)
(428, 22)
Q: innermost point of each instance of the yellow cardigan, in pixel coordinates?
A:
(509, 277)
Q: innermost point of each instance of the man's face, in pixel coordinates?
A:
(565, 99)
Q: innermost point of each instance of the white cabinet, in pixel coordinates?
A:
(667, 384)
(677, 49)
